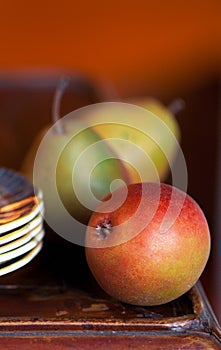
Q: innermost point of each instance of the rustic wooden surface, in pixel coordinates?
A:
(54, 302)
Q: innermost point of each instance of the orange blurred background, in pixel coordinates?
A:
(129, 43)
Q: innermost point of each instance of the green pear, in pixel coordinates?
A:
(145, 134)
(75, 169)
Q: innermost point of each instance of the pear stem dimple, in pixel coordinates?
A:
(104, 229)
(63, 83)
(176, 106)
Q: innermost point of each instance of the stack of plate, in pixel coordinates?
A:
(21, 221)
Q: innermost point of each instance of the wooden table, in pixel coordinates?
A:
(54, 303)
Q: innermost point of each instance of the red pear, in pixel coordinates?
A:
(152, 248)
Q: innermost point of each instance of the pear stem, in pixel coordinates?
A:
(176, 106)
(63, 83)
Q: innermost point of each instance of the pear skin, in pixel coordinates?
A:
(83, 167)
(151, 140)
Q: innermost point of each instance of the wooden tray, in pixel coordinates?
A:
(55, 303)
